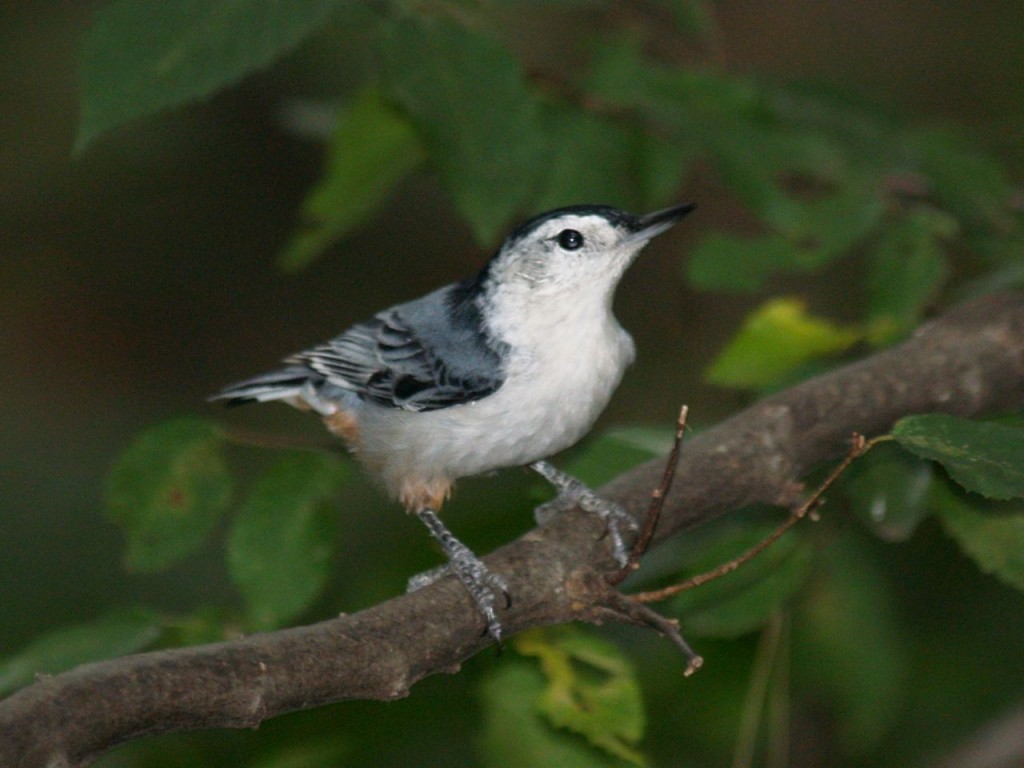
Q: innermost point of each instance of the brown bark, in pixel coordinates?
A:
(969, 361)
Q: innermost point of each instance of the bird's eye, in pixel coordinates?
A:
(570, 239)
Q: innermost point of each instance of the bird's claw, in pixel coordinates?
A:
(573, 493)
(484, 586)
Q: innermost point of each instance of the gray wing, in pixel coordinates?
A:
(425, 355)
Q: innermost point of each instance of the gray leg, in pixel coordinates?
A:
(573, 493)
(482, 585)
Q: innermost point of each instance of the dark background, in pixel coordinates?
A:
(139, 277)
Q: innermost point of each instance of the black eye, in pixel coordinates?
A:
(570, 239)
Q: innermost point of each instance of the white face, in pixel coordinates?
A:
(568, 254)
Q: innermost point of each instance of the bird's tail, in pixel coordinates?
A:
(283, 384)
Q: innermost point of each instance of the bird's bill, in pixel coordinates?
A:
(653, 224)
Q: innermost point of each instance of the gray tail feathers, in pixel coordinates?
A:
(281, 384)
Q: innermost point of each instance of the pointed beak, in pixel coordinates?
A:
(653, 224)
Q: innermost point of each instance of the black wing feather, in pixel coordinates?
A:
(426, 355)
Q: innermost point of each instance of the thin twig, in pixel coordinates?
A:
(859, 446)
(657, 503)
(625, 608)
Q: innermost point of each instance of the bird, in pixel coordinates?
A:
(504, 368)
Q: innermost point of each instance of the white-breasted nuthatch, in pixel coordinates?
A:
(502, 369)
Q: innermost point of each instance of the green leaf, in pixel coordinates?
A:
(596, 162)
(167, 490)
(828, 228)
(993, 537)
(983, 457)
(662, 166)
(515, 734)
(742, 601)
(848, 648)
(603, 161)
(889, 490)
(591, 689)
(115, 634)
(726, 262)
(1003, 255)
(468, 97)
(373, 147)
(326, 751)
(142, 56)
(775, 339)
(616, 450)
(748, 160)
(905, 271)
(964, 179)
(838, 222)
(765, 158)
(280, 544)
(692, 17)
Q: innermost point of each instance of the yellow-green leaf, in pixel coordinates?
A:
(591, 689)
(514, 733)
(775, 339)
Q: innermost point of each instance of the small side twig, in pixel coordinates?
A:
(808, 508)
(657, 503)
(625, 608)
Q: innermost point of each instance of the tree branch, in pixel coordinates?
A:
(967, 362)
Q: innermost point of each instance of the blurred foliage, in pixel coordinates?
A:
(280, 544)
(590, 690)
(828, 182)
(168, 490)
(777, 339)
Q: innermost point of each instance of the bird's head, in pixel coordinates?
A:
(575, 252)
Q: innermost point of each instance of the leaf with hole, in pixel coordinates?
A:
(167, 491)
(906, 269)
(726, 262)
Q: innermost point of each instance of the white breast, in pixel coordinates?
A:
(559, 377)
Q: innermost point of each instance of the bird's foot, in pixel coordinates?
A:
(574, 493)
(483, 585)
